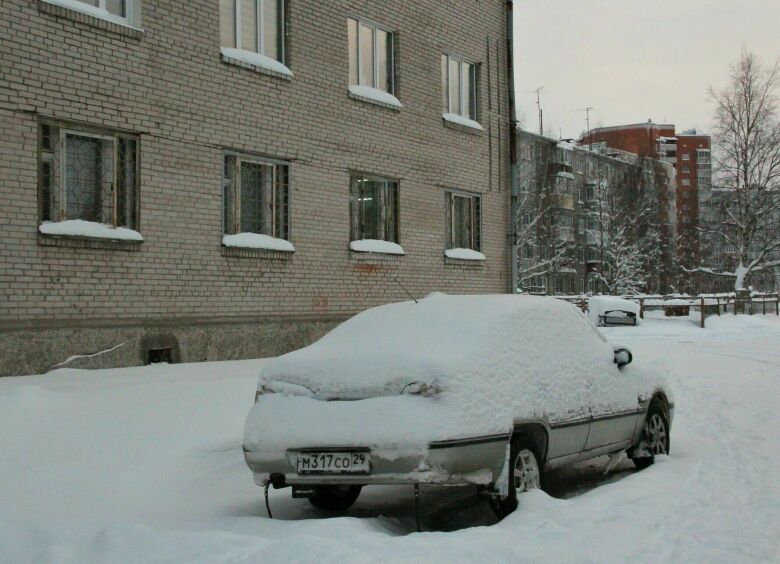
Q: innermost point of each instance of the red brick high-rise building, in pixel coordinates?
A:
(688, 151)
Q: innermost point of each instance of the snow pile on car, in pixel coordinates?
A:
(482, 361)
(598, 306)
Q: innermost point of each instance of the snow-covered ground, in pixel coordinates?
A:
(145, 465)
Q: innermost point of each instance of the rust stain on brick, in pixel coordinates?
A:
(368, 269)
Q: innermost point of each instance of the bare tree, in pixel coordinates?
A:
(747, 164)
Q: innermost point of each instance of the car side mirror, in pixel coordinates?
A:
(623, 357)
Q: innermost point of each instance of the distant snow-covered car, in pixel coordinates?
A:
(609, 310)
(487, 390)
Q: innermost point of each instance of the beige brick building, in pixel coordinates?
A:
(304, 124)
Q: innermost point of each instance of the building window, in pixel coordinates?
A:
(374, 208)
(117, 11)
(254, 26)
(88, 174)
(686, 156)
(686, 170)
(370, 56)
(459, 87)
(463, 221)
(686, 181)
(256, 196)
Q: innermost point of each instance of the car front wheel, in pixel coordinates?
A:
(655, 438)
(525, 474)
(334, 498)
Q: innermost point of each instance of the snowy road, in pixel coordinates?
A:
(145, 465)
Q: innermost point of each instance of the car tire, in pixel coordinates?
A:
(655, 437)
(525, 474)
(334, 498)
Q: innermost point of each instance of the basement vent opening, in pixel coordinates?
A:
(157, 356)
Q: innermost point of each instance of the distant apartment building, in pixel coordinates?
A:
(572, 201)
(688, 152)
(191, 181)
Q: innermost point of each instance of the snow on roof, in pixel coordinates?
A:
(493, 358)
(566, 145)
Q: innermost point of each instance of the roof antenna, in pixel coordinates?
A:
(408, 293)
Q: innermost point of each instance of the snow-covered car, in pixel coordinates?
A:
(487, 390)
(610, 310)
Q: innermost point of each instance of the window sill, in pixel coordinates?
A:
(248, 252)
(374, 96)
(454, 121)
(255, 62)
(468, 255)
(82, 242)
(373, 246)
(83, 13)
(464, 263)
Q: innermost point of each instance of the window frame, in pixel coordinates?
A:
(474, 105)
(375, 66)
(476, 218)
(231, 193)
(130, 19)
(355, 230)
(58, 157)
(281, 29)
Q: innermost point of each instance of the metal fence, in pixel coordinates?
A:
(705, 305)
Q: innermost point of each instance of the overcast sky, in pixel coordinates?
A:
(633, 59)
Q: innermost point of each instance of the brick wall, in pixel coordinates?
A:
(169, 85)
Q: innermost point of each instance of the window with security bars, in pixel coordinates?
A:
(88, 174)
(374, 208)
(256, 196)
(463, 221)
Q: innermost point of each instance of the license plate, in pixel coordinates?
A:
(334, 463)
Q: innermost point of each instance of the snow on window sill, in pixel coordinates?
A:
(374, 95)
(257, 241)
(376, 246)
(464, 254)
(256, 61)
(93, 11)
(460, 120)
(89, 229)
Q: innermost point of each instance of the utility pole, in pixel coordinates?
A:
(539, 104)
(587, 121)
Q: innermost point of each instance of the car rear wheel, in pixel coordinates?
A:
(334, 498)
(525, 474)
(655, 437)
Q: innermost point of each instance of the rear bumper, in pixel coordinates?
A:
(451, 463)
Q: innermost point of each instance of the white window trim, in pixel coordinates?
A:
(259, 58)
(100, 11)
(391, 53)
(449, 112)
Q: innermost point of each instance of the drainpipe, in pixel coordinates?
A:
(512, 144)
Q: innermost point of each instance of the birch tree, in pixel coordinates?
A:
(747, 166)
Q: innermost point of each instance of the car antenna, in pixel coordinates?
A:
(408, 293)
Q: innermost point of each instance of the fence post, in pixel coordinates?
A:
(717, 302)
(641, 308)
(701, 310)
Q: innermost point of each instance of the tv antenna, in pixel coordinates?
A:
(587, 121)
(538, 92)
